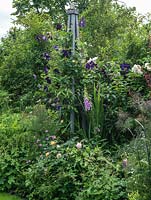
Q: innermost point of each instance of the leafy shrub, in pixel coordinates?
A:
(138, 172)
(73, 171)
(44, 120)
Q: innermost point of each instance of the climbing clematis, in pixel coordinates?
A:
(91, 63)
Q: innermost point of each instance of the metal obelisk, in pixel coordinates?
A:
(73, 27)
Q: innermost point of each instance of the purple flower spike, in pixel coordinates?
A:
(82, 22)
(46, 69)
(48, 80)
(87, 104)
(58, 26)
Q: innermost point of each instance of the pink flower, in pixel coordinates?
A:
(79, 145)
(53, 137)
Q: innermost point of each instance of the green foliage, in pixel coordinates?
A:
(138, 172)
(5, 100)
(35, 162)
(43, 120)
(22, 58)
(54, 8)
(114, 32)
(74, 174)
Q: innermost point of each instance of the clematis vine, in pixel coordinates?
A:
(91, 63)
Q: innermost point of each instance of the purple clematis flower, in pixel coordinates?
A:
(46, 69)
(58, 107)
(56, 47)
(44, 38)
(58, 26)
(82, 22)
(41, 37)
(125, 67)
(46, 56)
(48, 80)
(91, 63)
(66, 53)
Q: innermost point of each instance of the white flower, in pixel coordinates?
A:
(92, 60)
(79, 145)
(59, 155)
(137, 69)
(125, 163)
(148, 66)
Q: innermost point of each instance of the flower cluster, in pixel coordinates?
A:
(145, 70)
(148, 66)
(91, 63)
(137, 69)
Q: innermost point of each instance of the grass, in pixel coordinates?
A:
(4, 196)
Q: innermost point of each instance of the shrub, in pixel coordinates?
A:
(73, 171)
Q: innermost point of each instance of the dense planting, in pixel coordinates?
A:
(108, 156)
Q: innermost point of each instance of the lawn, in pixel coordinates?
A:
(4, 196)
